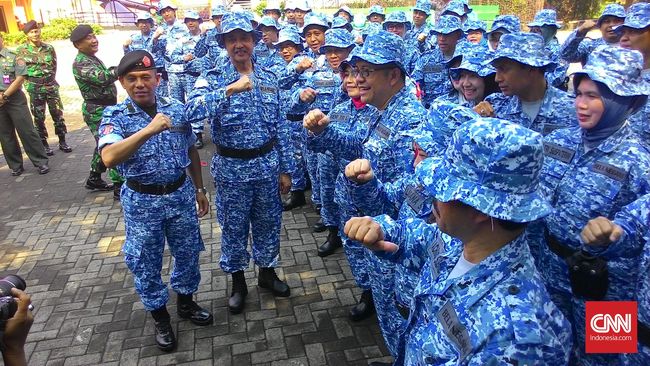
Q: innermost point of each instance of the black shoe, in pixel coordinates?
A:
(237, 298)
(43, 169)
(199, 141)
(296, 199)
(95, 182)
(165, 338)
(48, 151)
(117, 188)
(319, 227)
(194, 313)
(332, 243)
(18, 171)
(63, 146)
(364, 309)
(268, 279)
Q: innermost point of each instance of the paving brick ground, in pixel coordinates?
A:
(66, 242)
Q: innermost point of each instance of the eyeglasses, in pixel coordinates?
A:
(364, 73)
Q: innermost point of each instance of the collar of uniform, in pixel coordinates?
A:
(617, 138)
(396, 100)
(486, 274)
(545, 110)
(133, 108)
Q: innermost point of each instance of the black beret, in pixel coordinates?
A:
(29, 26)
(80, 32)
(139, 60)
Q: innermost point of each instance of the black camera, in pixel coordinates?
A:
(8, 305)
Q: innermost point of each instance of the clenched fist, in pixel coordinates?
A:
(368, 232)
(304, 64)
(484, 109)
(600, 232)
(159, 123)
(359, 171)
(244, 84)
(308, 95)
(315, 121)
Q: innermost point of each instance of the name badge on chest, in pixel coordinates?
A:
(454, 329)
(382, 131)
(178, 129)
(609, 170)
(415, 199)
(558, 152)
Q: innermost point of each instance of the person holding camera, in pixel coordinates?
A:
(16, 329)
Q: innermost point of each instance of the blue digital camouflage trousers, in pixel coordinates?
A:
(244, 207)
(149, 221)
(311, 162)
(298, 137)
(382, 282)
(327, 172)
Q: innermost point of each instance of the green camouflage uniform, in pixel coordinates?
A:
(96, 84)
(42, 87)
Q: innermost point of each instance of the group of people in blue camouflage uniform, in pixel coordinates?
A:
(462, 170)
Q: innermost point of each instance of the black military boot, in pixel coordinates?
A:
(63, 146)
(199, 141)
(332, 243)
(48, 151)
(319, 226)
(95, 182)
(239, 292)
(188, 309)
(296, 199)
(165, 338)
(365, 308)
(117, 188)
(268, 279)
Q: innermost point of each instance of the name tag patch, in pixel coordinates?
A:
(382, 131)
(324, 83)
(415, 199)
(558, 152)
(178, 129)
(268, 89)
(454, 329)
(339, 117)
(548, 128)
(609, 170)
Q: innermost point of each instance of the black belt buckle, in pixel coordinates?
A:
(156, 189)
(246, 153)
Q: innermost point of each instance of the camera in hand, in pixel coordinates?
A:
(8, 305)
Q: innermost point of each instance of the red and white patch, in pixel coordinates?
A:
(107, 130)
(146, 61)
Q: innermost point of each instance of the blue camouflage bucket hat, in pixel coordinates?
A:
(345, 9)
(423, 6)
(376, 9)
(270, 22)
(545, 17)
(443, 118)
(315, 19)
(144, 16)
(234, 21)
(472, 25)
(462, 48)
(340, 22)
(612, 10)
(348, 61)
(398, 17)
(447, 24)
(289, 35)
(382, 48)
(337, 38)
(192, 15)
(164, 4)
(618, 68)
(492, 165)
(455, 7)
(370, 29)
(506, 24)
(638, 17)
(525, 48)
(218, 10)
(474, 61)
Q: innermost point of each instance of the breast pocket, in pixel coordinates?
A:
(179, 147)
(378, 150)
(144, 161)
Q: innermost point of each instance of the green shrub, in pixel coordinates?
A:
(59, 28)
(14, 38)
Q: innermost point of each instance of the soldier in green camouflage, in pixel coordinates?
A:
(96, 84)
(39, 59)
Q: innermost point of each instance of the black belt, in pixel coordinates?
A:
(403, 310)
(156, 189)
(246, 153)
(643, 334)
(103, 102)
(556, 247)
(196, 74)
(295, 117)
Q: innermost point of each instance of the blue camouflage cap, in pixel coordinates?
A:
(456, 8)
(272, 5)
(423, 6)
(370, 29)
(620, 69)
(192, 15)
(233, 21)
(492, 165)
(315, 19)
(340, 22)
(289, 35)
(337, 38)
(612, 10)
(474, 60)
(164, 4)
(472, 25)
(218, 10)
(525, 48)
(443, 118)
(462, 48)
(397, 17)
(376, 9)
(302, 5)
(269, 22)
(382, 48)
(144, 16)
(447, 24)
(506, 24)
(345, 9)
(348, 61)
(545, 17)
(638, 17)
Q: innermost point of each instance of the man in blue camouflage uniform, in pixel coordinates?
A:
(430, 69)
(503, 24)
(545, 24)
(417, 36)
(577, 47)
(458, 9)
(208, 46)
(479, 300)
(628, 236)
(592, 170)
(636, 36)
(526, 97)
(265, 53)
(381, 78)
(193, 66)
(393, 296)
(171, 39)
(376, 14)
(253, 157)
(150, 142)
(396, 23)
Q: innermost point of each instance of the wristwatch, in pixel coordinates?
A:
(202, 190)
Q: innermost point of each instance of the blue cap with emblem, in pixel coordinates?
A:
(612, 10)
(315, 20)
(337, 38)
